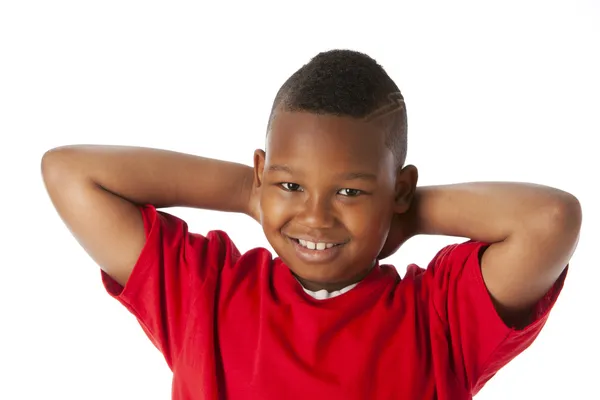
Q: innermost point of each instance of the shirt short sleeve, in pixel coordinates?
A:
(480, 343)
(176, 270)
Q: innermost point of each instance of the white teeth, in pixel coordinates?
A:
(315, 246)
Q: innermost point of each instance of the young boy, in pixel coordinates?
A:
(323, 320)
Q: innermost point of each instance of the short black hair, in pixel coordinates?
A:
(347, 83)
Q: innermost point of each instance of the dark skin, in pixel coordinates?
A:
(532, 230)
(329, 179)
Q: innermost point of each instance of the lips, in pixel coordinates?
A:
(313, 250)
(316, 245)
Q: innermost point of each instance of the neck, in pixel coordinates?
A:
(333, 286)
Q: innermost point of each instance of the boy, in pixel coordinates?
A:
(323, 320)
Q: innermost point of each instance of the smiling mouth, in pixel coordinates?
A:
(318, 246)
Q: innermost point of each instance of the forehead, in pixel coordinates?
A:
(329, 143)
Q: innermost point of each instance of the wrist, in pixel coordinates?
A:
(249, 196)
(413, 218)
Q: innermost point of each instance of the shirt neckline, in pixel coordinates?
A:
(291, 290)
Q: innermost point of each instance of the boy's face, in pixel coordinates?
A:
(328, 187)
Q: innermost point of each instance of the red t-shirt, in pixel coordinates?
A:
(235, 326)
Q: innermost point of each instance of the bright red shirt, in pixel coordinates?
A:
(235, 326)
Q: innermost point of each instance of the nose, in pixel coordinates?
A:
(316, 213)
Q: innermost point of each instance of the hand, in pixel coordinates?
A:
(403, 227)
(253, 201)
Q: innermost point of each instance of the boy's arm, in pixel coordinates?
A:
(533, 231)
(95, 190)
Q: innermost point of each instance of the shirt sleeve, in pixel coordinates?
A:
(175, 270)
(480, 343)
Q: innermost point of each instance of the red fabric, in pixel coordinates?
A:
(235, 326)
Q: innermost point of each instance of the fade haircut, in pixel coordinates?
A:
(347, 83)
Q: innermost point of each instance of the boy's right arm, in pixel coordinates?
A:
(97, 189)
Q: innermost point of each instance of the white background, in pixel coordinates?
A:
(508, 91)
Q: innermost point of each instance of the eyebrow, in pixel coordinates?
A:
(280, 168)
(349, 176)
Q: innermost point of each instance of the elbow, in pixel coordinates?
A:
(560, 220)
(56, 164)
(51, 161)
(565, 213)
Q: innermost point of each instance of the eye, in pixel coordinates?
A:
(350, 192)
(290, 187)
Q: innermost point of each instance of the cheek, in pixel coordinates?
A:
(369, 224)
(275, 208)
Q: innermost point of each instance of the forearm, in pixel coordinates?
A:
(159, 177)
(488, 211)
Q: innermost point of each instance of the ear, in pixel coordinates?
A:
(259, 167)
(406, 184)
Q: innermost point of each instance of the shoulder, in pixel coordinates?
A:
(448, 263)
(171, 237)
(454, 262)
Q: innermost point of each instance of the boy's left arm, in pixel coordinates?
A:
(533, 231)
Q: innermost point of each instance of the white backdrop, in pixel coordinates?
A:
(494, 92)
